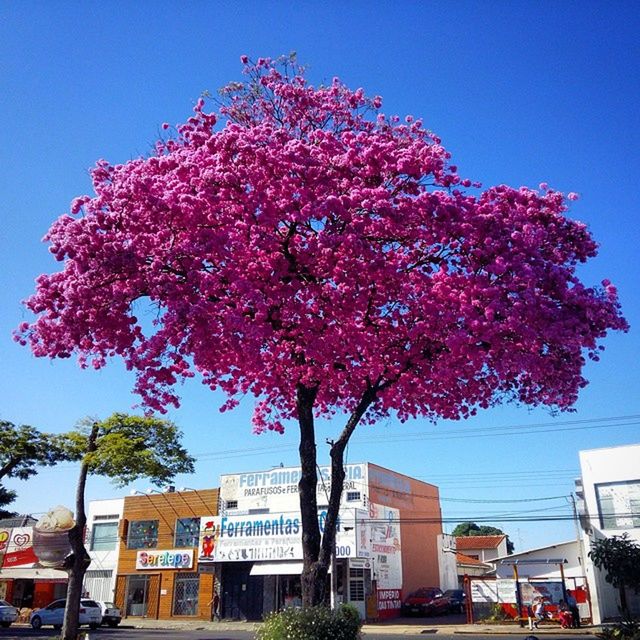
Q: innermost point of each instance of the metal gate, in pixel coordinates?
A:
(186, 589)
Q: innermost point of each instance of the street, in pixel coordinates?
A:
(26, 633)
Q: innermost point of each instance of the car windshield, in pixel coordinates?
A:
(422, 593)
(90, 603)
(4, 603)
(453, 592)
(109, 605)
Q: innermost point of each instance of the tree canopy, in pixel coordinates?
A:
(24, 448)
(302, 246)
(473, 529)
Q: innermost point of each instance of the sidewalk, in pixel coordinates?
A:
(401, 627)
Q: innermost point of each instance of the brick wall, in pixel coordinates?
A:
(166, 508)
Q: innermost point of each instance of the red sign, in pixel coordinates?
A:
(389, 603)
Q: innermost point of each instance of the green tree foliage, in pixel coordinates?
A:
(6, 498)
(122, 448)
(24, 448)
(619, 558)
(472, 529)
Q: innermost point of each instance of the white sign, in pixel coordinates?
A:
(165, 559)
(277, 489)
(384, 545)
(500, 590)
(269, 536)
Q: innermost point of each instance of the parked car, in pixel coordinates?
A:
(455, 599)
(425, 601)
(111, 615)
(8, 614)
(53, 614)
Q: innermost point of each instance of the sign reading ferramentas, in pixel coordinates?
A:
(165, 559)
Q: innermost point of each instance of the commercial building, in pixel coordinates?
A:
(386, 542)
(158, 575)
(23, 580)
(609, 505)
(101, 540)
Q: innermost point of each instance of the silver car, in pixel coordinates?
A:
(8, 614)
(53, 614)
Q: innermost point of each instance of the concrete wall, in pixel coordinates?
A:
(601, 466)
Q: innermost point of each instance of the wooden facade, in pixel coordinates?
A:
(164, 592)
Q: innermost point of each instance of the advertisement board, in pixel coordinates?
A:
(268, 537)
(164, 559)
(277, 489)
(500, 590)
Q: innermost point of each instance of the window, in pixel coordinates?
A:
(187, 532)
(353, 496)
(104, 536)
(232, 504)
(185, 594)
(143, 534)
(619, 504)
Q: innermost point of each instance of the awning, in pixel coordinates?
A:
(276, 569)
(35, 573)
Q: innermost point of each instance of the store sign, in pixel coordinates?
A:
(16, 547)
(271, 536)
(500, 590)
(165, 559)
(389, 602)
(277, 489)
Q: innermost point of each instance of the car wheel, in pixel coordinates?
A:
(6, 624)
(36, 622)
(94, 625)
(57, 627)
(113, 624)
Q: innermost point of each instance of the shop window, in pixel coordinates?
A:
(619, 504)
(187, 532)
(104, 536)
(137, 595)
(142, 534)
(185, 594)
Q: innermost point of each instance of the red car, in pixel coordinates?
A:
(425, 601)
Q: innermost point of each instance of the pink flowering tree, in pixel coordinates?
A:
(303, 247)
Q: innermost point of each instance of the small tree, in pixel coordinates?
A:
(329, 260)
(123, 448)
(6, 498)
(619, 558)
(24, 448)
(472, 529)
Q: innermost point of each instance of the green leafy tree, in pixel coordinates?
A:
(619, 558)
(472, 529)
(6, 498)
(124, 448)
(22, 450)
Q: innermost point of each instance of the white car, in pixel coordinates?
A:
(111, 615)
(8, 614)
(53, 614)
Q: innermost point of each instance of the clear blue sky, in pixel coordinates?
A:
(520, 92)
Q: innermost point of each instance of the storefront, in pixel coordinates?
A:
(158, 574)
(23, 582)
(255, 546)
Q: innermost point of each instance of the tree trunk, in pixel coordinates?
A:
(624, 609)
(79, 560)
(318, 549)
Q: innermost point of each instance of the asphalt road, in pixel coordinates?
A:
(25, 633)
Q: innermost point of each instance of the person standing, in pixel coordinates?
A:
(214, 603)
(575, 612)
(538, 611)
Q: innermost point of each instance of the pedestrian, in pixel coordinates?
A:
(575, 612)
(538, 611)
(214, 603)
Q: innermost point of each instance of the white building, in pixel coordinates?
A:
(609, 490)
(103, 519)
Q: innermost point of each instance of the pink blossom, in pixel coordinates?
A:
(300, 243)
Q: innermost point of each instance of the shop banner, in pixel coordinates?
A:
(19, 549)
(164, 559)
(500, 590)
(389, 603)
(550, 591)
(268, 537)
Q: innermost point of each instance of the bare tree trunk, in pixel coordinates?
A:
(316, 549)
(79, 560)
